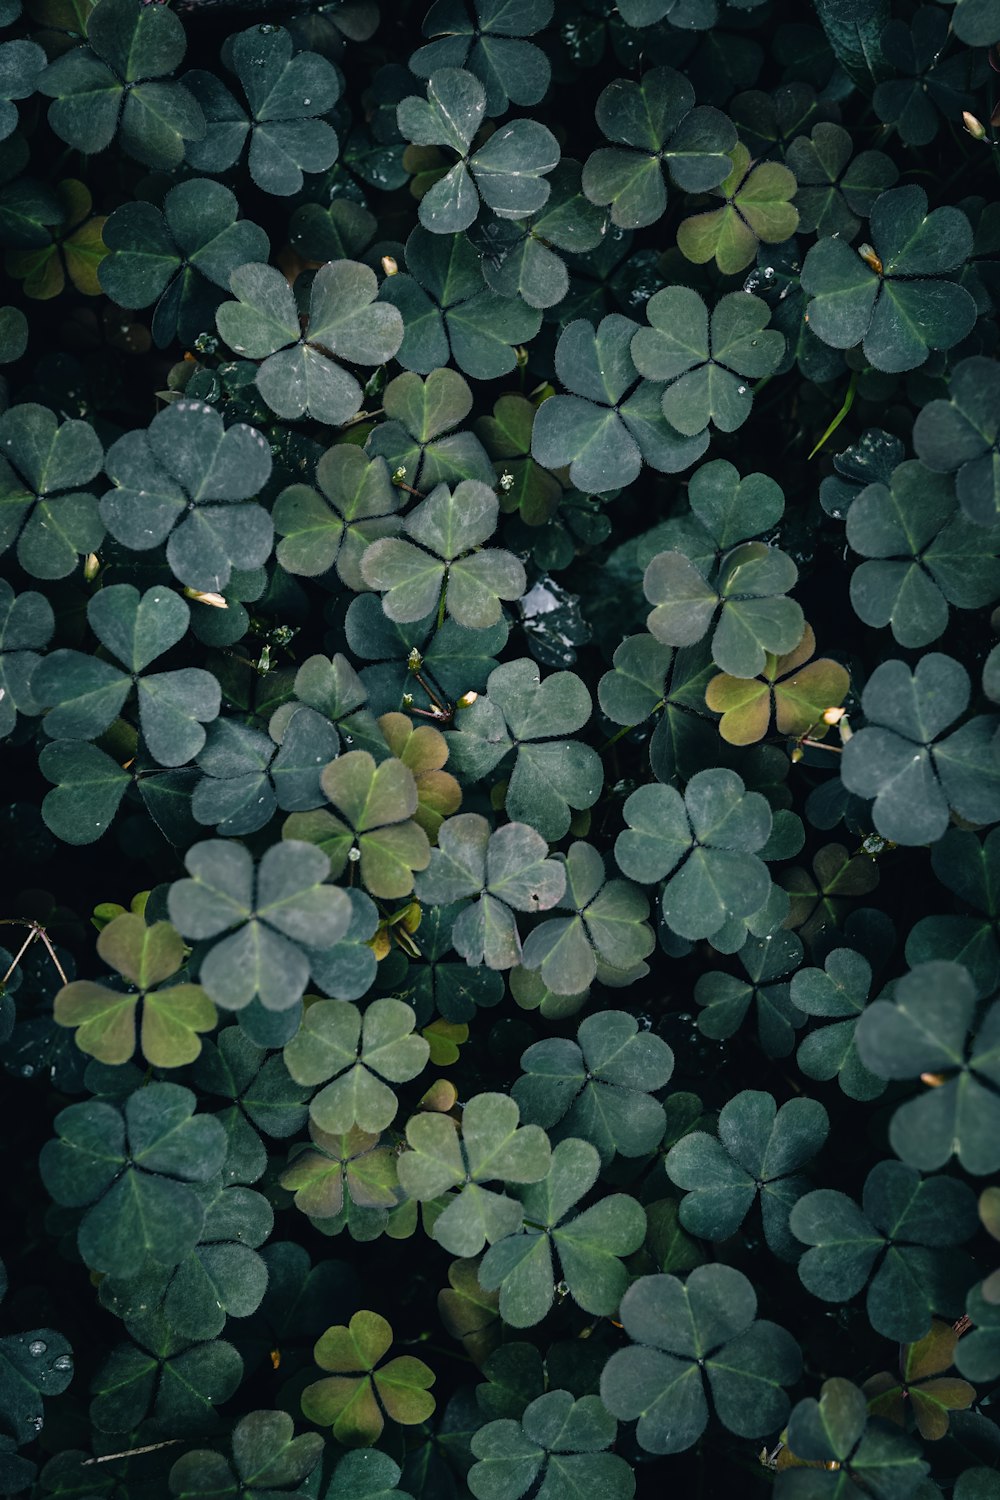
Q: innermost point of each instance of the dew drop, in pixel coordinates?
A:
(37, 1347)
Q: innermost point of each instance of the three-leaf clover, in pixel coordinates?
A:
(963, 434)
(928, 556)
(845, 1450)
(439, 562)
(450, 316)
(746, 600)
(360, 1056)
(26, 626)
(189, 481)
(360, 1392)
(116, 85)
(613, 419)
(131, 1168)
(921, 1385)
(793, 687)
(606, 936)
(180, 257)
(899, 759)
(657, 130)
(347, 1176)
(896, 300)
(760, 1149)
(588, 1246)
(376, 829)
(706, 842)
(923, 1032)
(492, 1147)
(267, 1458)
(44, 463)
(84, 693)
(684, 1333)
(172, 1014)
(533, 717)
(839, 992)
(247, 776)
(557, 1448)
(417, 437)
(280, 913)
(507, 172)
(706, 363)
(331, 524)
(285, 95)
(299, 370)
(598, 1087)
(757, 209)
(899, 1243)
(768, 963)
(836, 190)
(490, 44)
(494, 875)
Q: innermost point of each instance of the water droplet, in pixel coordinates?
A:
(741, 390)
(63, 1362)
(37, 1347)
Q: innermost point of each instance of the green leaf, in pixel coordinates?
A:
(684, 1333)
(266, 1454)
(43, 505)
(558, 1445)
(360, 1056)
(756, 209)
(352, 1399)
(961, 435)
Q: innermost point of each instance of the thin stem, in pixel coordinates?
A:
(627, 728)
(20, 954)
(107, 1458)
(38, 931)
(842, 413)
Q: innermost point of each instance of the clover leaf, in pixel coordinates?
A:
(706, 842)
(89, 787)
(747, 601)
(267, 1458)
(684, 1333)
(175, 1380)
(928, 556)
(768, 962)
(280, 913)
(84, 694)
(299, 370)
(968, 867)
(559, 1443)
(507, 172)
(366, 1475)
(975, 23)
(607, 934)
(33, 1364)
(588, 1245)
(247, 776)
(760, 1149)
(424, 750)
(896, 300)
(181, 481)
(533, 717)
(285, 96)
(900, 1244)
(376, 831)
(661, 131)
(520, 256)
(360, 1056)
(491, 46)
(419, 413)
(962, 436)
(26, 626)
(922, 1033)
(795, 689)
(331, 525)
(820, 897)
(179, 257)
(440, 563)
(352, 1399)
(449, 314)
(346, 1177)
(899, 759)
(836, 190)
(871, 460)
(921, 1385)
(926, 87)
(21, 63)
(74, 248)
(260, 1097)
(839, 989)
(172, 1016)
(613, 420)
(131, 1168)
(845, 1450)
(496, 874)
(649, 679)
(42, 507)
(115, 86)
(599, 1086)
(757, 209)
(705, 364)
(492, 1147)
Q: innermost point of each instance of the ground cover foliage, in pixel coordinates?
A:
(500, 525)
